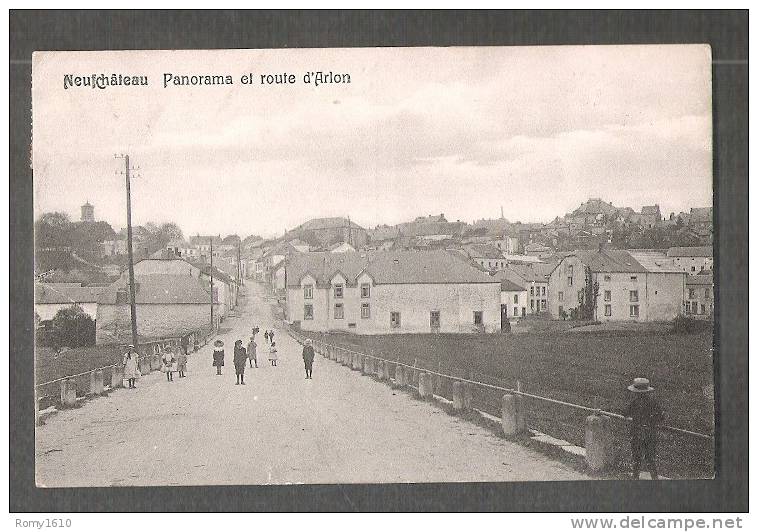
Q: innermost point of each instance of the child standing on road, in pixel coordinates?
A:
(181, 363)
(131, 368)
(272, 356)
(218, 355)
(168, 364)
(240, 357)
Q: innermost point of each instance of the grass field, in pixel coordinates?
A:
(580, 368)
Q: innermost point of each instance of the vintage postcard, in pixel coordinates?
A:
(373, 265)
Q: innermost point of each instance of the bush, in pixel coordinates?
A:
(71, 327)
(685, 325)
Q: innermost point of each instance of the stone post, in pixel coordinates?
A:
(356, 363)
(598, 442)
(512, 417)
(399, 376)
(425, 390)
(458, 403)
(468, 396)
(364, 365)
(155, 362)
(68, 392)
(96, 382)
(381, 370)
(117, 376)
(388, 370)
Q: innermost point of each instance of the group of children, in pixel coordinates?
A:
(244, 355)
(171, 363)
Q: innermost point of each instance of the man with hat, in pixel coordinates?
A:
(645, 414)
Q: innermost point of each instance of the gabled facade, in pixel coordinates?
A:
(391, 292)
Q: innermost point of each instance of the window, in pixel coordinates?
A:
(515, 299)
(571, 281)
(707, 293)
(560, 310)
(692, 293)
(434, 319)
(531, 291)
(633, 278)
(607, 278)
(515, 311)
(702, 308)
(531, 302)
(634, 296)
(478, 317)
(687, 307)
(523, 311)
(607, 295)
(365, 311)
(308, 312)
(308, 291)
(560, 296)
(544, 290)
(365, 290)
(634, 311)
(544, 304)
(571, 270)
(394, 320)
(607, 310)
(339, 311)
(338, 290)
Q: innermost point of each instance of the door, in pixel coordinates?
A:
(503, 316)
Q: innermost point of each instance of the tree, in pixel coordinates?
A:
(171, 231)
(588, 297)
(51, 229)
(72, 327)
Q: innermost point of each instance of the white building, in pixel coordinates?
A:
(391, 292)
(692, 260)
(49, 298)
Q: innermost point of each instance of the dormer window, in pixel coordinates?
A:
(339, 290)
(365, 290)
(307, 291)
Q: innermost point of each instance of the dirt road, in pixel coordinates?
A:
(280, 428)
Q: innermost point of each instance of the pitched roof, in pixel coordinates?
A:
(655, 261)
(508, 282)
(484, 251)
(538, 272)
(65, 293)
(160, 289)
(610, 260)
(692, 251)
(699, 280)
(424, 267)
(650, 209)
(388, 267)
(335, 222)
(323, 265)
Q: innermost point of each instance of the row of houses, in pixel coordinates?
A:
(172, 298)
(376, 292)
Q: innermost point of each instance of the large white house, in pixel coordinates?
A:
(385, 292)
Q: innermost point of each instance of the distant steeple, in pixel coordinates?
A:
(501, 213)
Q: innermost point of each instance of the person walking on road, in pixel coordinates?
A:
(308, 356)
(645, 414)
(272, 354)
(265, 335)
(218, 355)
(131, 367)
(252, 354)
(181, 363)
(240, 358)
(271, 335)
(168, 365)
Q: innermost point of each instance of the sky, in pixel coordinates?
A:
(460, 131)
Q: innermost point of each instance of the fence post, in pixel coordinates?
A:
(458, 403)
(117, 376)
(598, 443)
(425, 385)
(400, 376)
(468, 396)
(364, 365)
(512, 416)
(96, 382)
(68, 392)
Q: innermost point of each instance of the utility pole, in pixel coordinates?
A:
(132, 290)
(211, 271)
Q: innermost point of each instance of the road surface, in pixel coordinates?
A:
(339, 427)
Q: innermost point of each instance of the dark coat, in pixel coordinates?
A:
(646, 414)
(240, 358)
(218, 357)
(308, 354)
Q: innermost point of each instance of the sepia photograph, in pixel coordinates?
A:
(374, 265)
